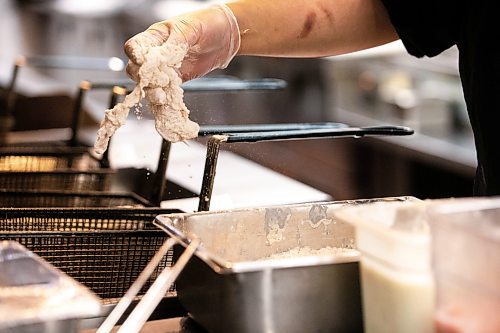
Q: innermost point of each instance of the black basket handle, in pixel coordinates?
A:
(206, 130)
(317, 133)
(214, 143)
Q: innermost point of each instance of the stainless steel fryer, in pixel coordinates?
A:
(228, 286)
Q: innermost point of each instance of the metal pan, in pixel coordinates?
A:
(230, 286)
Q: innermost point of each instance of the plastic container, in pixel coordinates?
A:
(396, 279)
(466, 265)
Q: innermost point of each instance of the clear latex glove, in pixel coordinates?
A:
(212, 36)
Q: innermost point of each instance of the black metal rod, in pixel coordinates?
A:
(10, 97)
(77, 111)
(159, 180)
(228, 129)
(319, 133)
(213, 148)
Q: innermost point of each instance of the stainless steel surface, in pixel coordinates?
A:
(135, 288)
(36, 297)
(154, 295)
(168, 308)
(226, 287)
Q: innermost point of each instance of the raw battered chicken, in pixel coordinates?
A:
(160, 84)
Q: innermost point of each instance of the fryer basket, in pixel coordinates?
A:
(104, 249)
(72, 180)
(22, 159)
(47, 199)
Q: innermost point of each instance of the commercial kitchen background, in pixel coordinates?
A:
(381, 86)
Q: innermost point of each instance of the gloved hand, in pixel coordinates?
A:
(212, 36)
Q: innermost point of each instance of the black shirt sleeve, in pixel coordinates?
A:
(426, 27)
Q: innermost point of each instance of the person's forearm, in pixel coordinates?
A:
(311, 28)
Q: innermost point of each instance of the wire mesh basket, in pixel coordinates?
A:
(105, 249)
(47, 199)
(70, 180)
(21, 159)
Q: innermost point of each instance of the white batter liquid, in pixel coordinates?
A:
(396, 302)
(304, 251)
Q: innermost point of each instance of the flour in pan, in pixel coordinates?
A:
(160, 84)
(305, 251)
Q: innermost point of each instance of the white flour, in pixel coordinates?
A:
(304, 251)
(160, 84)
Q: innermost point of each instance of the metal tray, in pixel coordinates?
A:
(226, 287)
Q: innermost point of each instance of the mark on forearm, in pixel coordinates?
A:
(308, 25)
(328, 13)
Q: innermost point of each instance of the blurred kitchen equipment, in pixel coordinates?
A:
(35, 297)
(28, 165)
(75, 168)
(396, 278)
(57, 62)
(233, 285)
